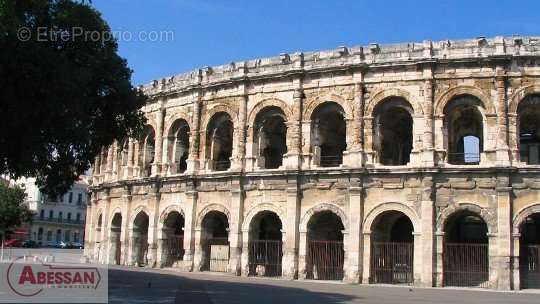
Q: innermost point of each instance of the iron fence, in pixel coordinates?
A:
(529, 266)
(324, 260)
(142, 251)
(175, 249)
(265, 257)
(331, 160)
(466, 265)
(392, 263)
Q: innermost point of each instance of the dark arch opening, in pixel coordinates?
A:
(529, 129)
(116, 232)
(173, 239)
(392, 249)
(270, 135)
(215, 241)
(178, 149)
(219, 140)
(148, 151)
(328, 134)
(529, 252)
(466, 251)
(325, 252)
(140, 238)
(265, 248)
(393, 131)
(464, 125)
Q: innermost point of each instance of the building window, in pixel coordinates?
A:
(49, 236)
(79, 199)
(76, 237)
(51, 214)
(69, 217)
(60, 215)
(40, 234)
(78, 217)
(41, 214)
(67, 235)
(58, 236)
(70, 197)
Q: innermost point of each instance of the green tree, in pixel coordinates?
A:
(13, 210)
(64, 91)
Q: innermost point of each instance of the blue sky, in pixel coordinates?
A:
(211, 32)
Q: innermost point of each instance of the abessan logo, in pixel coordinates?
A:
(30, 279)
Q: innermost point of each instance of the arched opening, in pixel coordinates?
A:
(392, 249)
(140, 238)
(393, 131)
(529, 252)
(328, 131)
(116, 241)
(325, 253)
(178, 148)
(173, 239)
(147, 154)
(466, 251)
(219, 139)
(215, 241)
(265, 245)
(529, 130)
(465, 132)
(270, 135)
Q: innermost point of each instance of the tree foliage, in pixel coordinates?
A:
(63, 93)
(13, 211)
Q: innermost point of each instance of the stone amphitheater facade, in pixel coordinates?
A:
(390, 157)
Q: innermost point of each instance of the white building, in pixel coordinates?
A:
(60, 220)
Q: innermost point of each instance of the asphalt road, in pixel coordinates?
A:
(162, 286)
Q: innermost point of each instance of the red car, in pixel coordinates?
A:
(12, 243)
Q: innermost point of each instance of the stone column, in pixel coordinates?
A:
(292, 159)
(291, 241)
(194, 138)
(156, 166)
(96, 170)
(516, 284)
(503, 151)
(366, 269)
(428, 157)
(126, 215)
(104, 250)
(110, 156)
(503, 264)
(368, 141)
(235, 226)
(353, 157)
(198, 253)
(129, 168)
(418, 263)
(245, 253)
(302, 252)
(154, 199)
(427, 239)
(237, 163)
(439, 247)
(165, 164)
(190, 209)
(89, 230)
(353, 264)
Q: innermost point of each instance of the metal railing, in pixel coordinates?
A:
(324, 260)
(331, 160)
(392, 263)
(529, 266)
(464, 158)
(466, 265)
(216, 254)
(59, 220)
(175, 249)
(222, 165)
(265, 257)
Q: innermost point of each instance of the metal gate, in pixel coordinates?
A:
(217, 254)
(392, 263)
(118, 251)
(324, 260)
(466, 265)
(175, 249)
(142, 250)
(529, 266)
(265, 257)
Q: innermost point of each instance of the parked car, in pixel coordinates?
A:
(59, 244)
(12, 243)
(77, 245)
(30, 244)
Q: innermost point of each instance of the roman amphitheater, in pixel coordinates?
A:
(413, 163)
